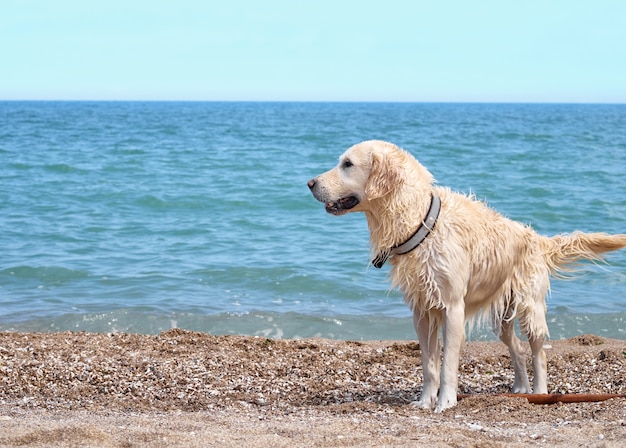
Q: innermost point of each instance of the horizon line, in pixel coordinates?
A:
(616, 103)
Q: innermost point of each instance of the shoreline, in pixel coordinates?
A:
(183, 388)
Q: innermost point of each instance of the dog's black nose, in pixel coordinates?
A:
(311, 183)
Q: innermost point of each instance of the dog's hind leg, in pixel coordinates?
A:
(521, 385)
(535, 326)
(540, 381)
(427, 328)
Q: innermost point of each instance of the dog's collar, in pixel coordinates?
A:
(416, 239)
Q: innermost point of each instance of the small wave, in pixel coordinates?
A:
(151, 201)
(62, 168)
(173, 202)
(21, 166)
(292, 325)
(44, 274)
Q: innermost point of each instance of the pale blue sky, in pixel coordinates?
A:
(391, 50)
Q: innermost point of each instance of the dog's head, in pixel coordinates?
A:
(366, 172)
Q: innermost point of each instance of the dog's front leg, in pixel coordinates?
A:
(427, 330)
(453, 337)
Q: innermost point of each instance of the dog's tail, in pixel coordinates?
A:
(563, 251)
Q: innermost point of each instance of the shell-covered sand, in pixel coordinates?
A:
(183, 388)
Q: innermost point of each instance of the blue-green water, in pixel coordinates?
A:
(137, 217)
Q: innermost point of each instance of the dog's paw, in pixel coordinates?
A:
(445, 403)
(424, 403)
(420, 404)
(521, 389)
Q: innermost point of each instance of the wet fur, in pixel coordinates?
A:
(476, 264)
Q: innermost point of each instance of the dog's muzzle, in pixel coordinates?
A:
(342, 205)
(334, 207)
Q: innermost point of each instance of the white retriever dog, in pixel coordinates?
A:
(454, 259)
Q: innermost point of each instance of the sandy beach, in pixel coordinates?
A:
(190, 389)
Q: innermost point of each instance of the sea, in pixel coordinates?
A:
(140, 217)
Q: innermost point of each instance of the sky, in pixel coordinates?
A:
(570, 51)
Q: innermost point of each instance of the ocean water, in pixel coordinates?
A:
(143, 216)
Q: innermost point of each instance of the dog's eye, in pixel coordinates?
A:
(346, 163)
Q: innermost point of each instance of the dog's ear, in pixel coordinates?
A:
(385, 175)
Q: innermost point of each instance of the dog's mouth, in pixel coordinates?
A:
(342, 205)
